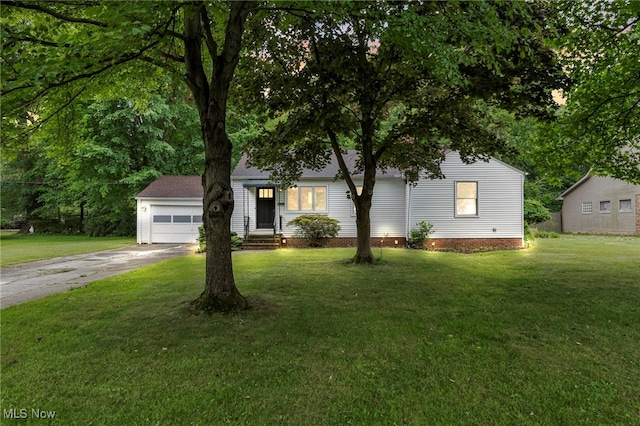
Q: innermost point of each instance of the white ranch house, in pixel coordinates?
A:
(476, 206)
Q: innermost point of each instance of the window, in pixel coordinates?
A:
(160, 218)
(181, 219)
(605, 206)
(307, 198)
(466, 198)
(197, 219)
(587, 207)
(625, 206)
(265, 193)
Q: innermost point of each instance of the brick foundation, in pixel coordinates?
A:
(466, 245)
(470, 245)
(346, 242)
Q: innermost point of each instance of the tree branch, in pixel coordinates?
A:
(123, 59)
(53, 114)
(175, 34)
(53, 13)
(346, 174)
(212, 46)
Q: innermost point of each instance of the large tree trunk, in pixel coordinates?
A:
(363, 226)
(220, 292)
(363, 207)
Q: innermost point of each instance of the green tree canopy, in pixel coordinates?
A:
(399, 82)
(600, 126)
(106, 47)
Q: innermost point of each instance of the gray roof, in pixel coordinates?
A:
(242, 171)
(574, 186)
(174, 187)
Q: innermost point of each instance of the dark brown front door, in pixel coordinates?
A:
(266, 207)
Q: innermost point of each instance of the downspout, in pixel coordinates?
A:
(409, 209)
(244, 210)
(522, 208)
(138, 230)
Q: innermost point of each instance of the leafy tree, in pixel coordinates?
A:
(99, 160)
(112, 48)
(600, 126)
(399, 82)
(535, 212)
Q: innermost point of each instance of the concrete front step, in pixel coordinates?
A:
(259, 246)
(260, 242)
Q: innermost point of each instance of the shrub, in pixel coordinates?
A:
(420, 235)
(236, 242)
(545, 234)
(110, 226)
(535, 211)
(315, 228)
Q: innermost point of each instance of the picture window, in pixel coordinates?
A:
(307, 198)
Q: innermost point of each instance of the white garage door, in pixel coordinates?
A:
(175, 224)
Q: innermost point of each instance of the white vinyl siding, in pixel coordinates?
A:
(397, 207)
(387, 211)
(499, 201)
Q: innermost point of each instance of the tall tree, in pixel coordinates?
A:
(399, 82)
(599, 128)
(87, 47)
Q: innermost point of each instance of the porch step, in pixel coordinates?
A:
(260, 242)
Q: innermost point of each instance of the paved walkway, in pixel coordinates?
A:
(32, 280)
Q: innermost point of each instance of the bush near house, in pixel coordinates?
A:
(236, 242)
(315, 228)
(420, 235)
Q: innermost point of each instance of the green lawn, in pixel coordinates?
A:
(16, 248)
(549, 335)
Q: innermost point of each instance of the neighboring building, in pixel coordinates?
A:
(601, 205)
(477, 206)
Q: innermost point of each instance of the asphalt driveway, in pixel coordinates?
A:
(32, 280)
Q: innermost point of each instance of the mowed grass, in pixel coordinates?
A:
(548, 335)
(17, 248)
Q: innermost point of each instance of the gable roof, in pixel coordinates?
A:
(574, 186)
(243, 171)
(174, 187)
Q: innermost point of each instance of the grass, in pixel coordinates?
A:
(548, 335)
(17, 248)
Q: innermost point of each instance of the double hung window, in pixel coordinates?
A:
(466, 199)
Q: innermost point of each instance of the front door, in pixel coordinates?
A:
(266, 208)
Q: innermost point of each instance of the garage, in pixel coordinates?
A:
(175, 224)
(169, 210)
